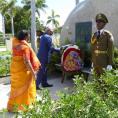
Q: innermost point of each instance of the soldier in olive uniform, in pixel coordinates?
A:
(102, 46)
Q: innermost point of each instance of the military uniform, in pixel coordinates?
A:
(102, 50)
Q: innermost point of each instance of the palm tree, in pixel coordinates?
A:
(3, 12)
(54, 22)
(8, 8)
(53, 19)
(11, 12)
(39, 5)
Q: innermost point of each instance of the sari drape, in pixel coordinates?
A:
(23, 88)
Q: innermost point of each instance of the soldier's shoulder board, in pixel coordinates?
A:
(109, 33)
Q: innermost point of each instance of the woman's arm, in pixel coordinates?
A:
(29, 66)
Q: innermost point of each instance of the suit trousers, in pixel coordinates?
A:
(42, 75)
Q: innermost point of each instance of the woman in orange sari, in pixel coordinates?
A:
(24, 66)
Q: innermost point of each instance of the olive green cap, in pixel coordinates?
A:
(101, 17)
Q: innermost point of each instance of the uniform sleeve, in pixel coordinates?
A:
(110, 49)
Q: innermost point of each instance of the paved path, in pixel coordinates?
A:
(5, 88)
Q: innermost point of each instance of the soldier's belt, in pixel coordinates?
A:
(100, 52)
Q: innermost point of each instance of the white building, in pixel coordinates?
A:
(80, 24)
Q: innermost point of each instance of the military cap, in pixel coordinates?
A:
(101, 17)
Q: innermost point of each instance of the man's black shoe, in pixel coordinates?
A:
(47, 85)
(38, 88)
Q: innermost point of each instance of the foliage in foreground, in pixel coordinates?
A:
(115, 65)
(97, 98)
(5, 59)
(5, 53)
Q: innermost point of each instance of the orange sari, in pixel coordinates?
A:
(23, 88)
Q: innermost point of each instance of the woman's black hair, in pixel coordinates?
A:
(22, 34)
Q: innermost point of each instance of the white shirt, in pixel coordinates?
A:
(100, 31)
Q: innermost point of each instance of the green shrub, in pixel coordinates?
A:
(5, 59)
(54, 59)
(95, 99)
(67, 41)
(41, 109)
(115, 64)
(5, 53)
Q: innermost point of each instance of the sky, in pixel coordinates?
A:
(61, 7)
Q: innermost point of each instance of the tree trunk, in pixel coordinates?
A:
(12, 25)
(3, 26)
(33, 26)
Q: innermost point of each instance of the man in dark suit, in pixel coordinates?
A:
(43, 55)
(102, 46)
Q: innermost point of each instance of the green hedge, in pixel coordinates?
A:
(54, 59)
(5, 59)
(97, 98)
(115, 64)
